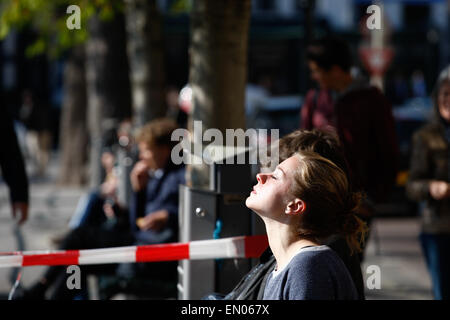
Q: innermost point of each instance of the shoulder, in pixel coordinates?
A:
(366, 92)
(176, 174)
(317, 266)
(311, 258)
(429, 133)
(311, 264)
(309, 276)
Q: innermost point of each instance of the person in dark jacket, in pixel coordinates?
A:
(251, 287)
(429, 183)
(359, 114)
(152, 218)
(13, 167)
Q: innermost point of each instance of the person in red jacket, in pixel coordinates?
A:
(358, 113)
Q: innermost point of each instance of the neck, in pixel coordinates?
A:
(284, 242)
(344, 82)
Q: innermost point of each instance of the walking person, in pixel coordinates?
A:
(429, 183)
(359, 114)
(13, 168)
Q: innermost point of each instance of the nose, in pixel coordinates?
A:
(261, 177)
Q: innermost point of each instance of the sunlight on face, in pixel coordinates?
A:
(269, 197)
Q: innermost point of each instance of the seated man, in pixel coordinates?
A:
(251, 287)
(153, 217)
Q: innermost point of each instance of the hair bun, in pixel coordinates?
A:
(348, 221)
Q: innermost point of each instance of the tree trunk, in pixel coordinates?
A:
(146, 56)
(73, 133)
(108, 86)
(218, 69)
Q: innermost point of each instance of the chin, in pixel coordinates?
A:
(249, 203)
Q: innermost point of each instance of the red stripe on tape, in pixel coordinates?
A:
(52, 259)
(255, 246)
(163, 252)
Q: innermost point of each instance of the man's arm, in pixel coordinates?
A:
(13, 167)
(166, 205)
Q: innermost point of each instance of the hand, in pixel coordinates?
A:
(22, 207)
(139, 176)
(109, 187)
(153, 221)
(107, 160)
(439, 190)
(108, 210)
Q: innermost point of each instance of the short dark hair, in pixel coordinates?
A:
(330, 51)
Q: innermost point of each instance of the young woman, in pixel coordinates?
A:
(429, 182)
(305, 200)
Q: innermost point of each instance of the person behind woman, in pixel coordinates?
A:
(305, 200)
(429, 182)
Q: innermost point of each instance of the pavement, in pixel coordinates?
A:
(393, 245)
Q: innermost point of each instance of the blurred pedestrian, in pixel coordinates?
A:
(13, 167)
(359, 114)
(97, 205)
(429, 182)
(35, 114)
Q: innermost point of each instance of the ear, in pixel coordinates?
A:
(295, 207)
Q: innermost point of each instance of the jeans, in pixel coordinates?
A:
(89, 211)
(436, 248)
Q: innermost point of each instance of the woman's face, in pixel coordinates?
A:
(270, 196)
(444, 101)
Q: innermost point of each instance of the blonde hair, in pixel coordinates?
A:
(330, 205)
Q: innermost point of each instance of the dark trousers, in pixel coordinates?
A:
(104, 236)
(436, 248)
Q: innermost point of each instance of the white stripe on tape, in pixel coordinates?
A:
(95, 252)
(11, 261)
(215, 249)
(127, 256)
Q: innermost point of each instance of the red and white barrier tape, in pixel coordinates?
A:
(236, 247)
